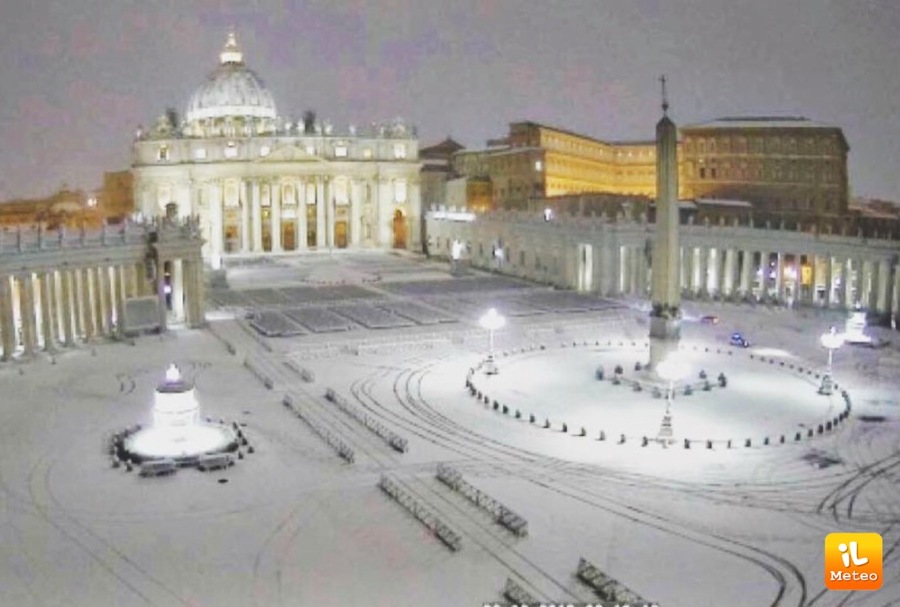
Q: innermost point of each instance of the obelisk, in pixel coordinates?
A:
(665, 315)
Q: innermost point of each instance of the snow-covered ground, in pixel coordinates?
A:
(296, 525)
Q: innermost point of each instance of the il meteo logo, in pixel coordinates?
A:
(853, 561)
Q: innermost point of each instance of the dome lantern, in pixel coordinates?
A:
(231, 53)
(232, 92)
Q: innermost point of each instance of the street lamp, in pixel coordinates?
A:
(670, 370)
(492, 321)
(831, 341)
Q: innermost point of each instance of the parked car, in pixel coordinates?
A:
(739, 341)
(709, 319)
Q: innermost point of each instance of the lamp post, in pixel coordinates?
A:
(831, 341)
(670, 370)
(492, 321)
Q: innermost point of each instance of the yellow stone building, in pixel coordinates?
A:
(787, 165)
(783, 165)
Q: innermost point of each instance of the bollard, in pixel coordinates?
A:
(583, 432)
(766, 440)
(518, 414)
(820, 429)
(546, 423)
(810, 433)
(781, 439)
(496, 405)
(565, 428)
(505, 410)
(602, 435)
(728, 445)
(486, 399)
(797, 436)
(747, 443)
(687, 443)
(828, 425)
(621, 439)
(531, 418)
(709, 444)
(644, 441)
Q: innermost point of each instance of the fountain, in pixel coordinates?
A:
(178, 433)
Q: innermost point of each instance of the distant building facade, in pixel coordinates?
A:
(263, 184)
(790, 167)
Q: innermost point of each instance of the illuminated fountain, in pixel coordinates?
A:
(178, 432)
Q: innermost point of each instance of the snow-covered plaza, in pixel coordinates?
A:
(392, 340)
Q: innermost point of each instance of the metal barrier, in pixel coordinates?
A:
(606, 587)
(503, 515)
(423, 514)
(333, 441)
(395, 441)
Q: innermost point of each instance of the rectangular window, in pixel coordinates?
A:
(162, 153)
(200, 154)
(367, 153)
(399, 151)
(340, 151)
(702, 172)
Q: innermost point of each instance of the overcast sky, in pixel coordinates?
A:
(77, 76)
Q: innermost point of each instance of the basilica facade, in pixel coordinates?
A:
(263, 184)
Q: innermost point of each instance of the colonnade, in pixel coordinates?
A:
(55, 297)
(729, 262)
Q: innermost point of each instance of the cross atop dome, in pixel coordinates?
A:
(231, 53)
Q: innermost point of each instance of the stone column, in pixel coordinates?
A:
(688, 277)
(810, 298)
(245, 216)
(320, 212)
(161, 296)
(703, 285)
(275, 194)
(414, 239)
(217, 225)
(300, 221)
(624, 263)
(829, 280)
(178, 289)
(256, 213)
(883, 293)
(120, 276)
(779, 276)
(637, 256)
(98, 299)
(46, 310)
(65, 280)
(895, 288)
(871, 285)
(384, 219)
(26, 307)
(193, 273)
(730, 271)
(86, 308)
(7, 322)
(355, 219)
(329, 210)
(747, 272)
(847, 278)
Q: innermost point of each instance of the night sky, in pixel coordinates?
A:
(77, 76)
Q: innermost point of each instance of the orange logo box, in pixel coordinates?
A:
(853, 561)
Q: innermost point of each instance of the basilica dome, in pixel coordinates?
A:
(231, 91)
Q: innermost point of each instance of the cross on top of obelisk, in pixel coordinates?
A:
(665, 100)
